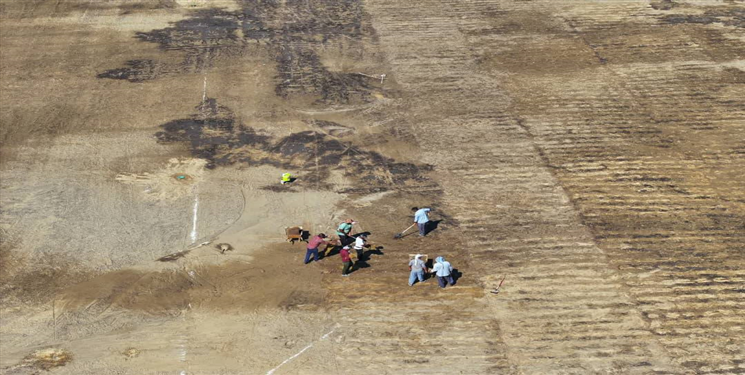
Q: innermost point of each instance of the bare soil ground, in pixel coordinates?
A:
(591, 151)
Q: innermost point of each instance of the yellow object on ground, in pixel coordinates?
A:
(286, 177)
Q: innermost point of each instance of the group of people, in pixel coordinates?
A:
(344, 231)
(442, 269)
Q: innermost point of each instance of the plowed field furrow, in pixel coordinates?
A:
(678, 199)
(584, 291)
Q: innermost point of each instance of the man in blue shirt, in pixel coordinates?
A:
(421, 219)
(444, 272)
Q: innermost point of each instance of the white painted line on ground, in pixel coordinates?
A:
(194, 220)
(270, 372)
(204, 91)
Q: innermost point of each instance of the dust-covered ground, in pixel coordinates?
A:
(589, 153)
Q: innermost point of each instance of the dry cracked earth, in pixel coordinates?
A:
(588, 152)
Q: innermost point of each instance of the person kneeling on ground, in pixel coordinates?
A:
(443, 270)
(313, 247)
(346, 261)
(417, 268)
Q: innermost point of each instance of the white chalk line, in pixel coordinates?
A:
(182, 349)
(270, 372)
(194, 220)
(204, 91)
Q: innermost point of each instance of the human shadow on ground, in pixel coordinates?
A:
(456, 275)
(431, 226)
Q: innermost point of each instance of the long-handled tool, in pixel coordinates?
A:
(496, 290)
(400, 235)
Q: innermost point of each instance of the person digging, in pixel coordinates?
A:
(313, 245)
(344, 232)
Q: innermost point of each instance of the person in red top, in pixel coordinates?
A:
(346, 260)
(313, 247)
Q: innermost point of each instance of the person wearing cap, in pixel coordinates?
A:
(346, 261)
(359, 246)
(313, 245)
(417, 268)
(443, 270)
(343, 231)
(421, 219)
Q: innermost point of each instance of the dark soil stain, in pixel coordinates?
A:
(292, 31)
(135, 71)
(663, 4)
(214, 134)
(728, 16)
(173, 257)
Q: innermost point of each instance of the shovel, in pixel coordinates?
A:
(496, 290)
(400, 235)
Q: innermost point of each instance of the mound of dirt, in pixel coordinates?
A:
(46, 359)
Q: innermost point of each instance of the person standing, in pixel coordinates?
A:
(417, 267)
(343, 231)
(346, 261)
(359, 246)
(443, 270)
(421, 219)
(313, 245)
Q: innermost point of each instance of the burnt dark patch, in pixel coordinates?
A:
(292, 31)
(134, 71)
(301, 72)
(214, 134)
(728, 16)
(206, 36)
(210, 29)
(663, 5)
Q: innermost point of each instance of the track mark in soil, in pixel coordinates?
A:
(214, 134)
(293, 32)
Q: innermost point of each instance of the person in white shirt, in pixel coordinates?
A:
(444, 272)
(359, 246)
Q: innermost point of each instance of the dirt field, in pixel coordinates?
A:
(590, 151)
